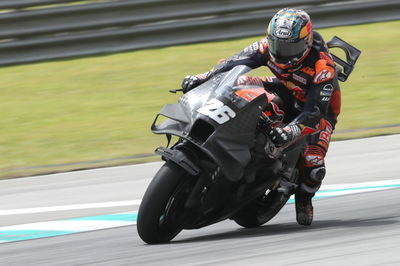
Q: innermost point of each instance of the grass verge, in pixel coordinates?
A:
(102, 107)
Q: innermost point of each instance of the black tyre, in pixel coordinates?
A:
(261, 210)
(160, 216)
(265, 207)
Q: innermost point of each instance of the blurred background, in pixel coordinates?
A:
(81, 81)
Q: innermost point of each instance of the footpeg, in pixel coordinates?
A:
(287, 188)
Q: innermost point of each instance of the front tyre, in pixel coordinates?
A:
(159, 219)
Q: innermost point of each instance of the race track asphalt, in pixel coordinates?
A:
(358, 229)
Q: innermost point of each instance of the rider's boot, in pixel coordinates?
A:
(305, 193)
(304, 207)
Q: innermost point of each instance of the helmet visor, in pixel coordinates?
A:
(285, 51)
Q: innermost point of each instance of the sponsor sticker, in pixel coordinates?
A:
(270, 79)
(325, 93)
(323, 76)
(262, 47)
(251, 48)
(254, 46)
(274, 67)
(315, 160)
(328, 87)
(299, 79)
(283, 33)
(325, 135)
(326, 99)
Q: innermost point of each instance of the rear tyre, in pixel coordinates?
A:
(160, 216)
(264, 208)
(261, 210)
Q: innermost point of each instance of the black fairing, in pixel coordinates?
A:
(227, 142)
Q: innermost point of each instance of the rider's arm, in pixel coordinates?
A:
(252, 56)
(311, 120)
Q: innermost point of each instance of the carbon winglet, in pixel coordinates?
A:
(352, 55)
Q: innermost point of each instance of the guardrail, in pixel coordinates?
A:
(36, 30)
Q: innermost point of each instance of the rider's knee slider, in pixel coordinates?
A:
(318, 174)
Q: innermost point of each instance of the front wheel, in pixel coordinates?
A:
(160, 216)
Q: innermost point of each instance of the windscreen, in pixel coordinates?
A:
(221, 84)
(230, 78)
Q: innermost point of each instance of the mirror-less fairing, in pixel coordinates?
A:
(221, 167)
(218, 121)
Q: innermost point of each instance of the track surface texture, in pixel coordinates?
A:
(358, 229)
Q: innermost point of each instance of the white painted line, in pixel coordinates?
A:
(66, 225)
(348, 192)
(363, 184)
(71, 207)
(326, 190)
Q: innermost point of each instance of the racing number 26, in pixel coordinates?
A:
(217, 111)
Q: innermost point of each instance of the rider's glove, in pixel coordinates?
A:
(282, 136)
(190, 82)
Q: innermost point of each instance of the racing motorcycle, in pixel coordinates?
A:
(223, 165)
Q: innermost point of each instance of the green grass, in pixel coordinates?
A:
(102, 107)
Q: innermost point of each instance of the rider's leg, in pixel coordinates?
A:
(314, 173)
(273, 85)
(314, 155)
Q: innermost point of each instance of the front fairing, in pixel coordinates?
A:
(217, 120)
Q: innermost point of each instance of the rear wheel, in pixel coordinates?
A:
(161, 214)
(261, 210)
(264, 208)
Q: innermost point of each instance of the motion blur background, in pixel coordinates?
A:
(81, 81)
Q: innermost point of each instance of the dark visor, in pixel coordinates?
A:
(285, 50)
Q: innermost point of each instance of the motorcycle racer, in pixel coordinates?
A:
(305, 79)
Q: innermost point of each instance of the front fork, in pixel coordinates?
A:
(189, 158)
(180, 155)
(292, 168)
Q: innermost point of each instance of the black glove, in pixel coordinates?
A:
(190, 82)
(282, 136)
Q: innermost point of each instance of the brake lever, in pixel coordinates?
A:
(175, 91)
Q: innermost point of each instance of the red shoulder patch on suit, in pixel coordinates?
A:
(263, 45)
(308, 70)
(323, 72)
(327, 57)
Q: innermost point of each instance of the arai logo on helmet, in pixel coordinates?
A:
(283, 33)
